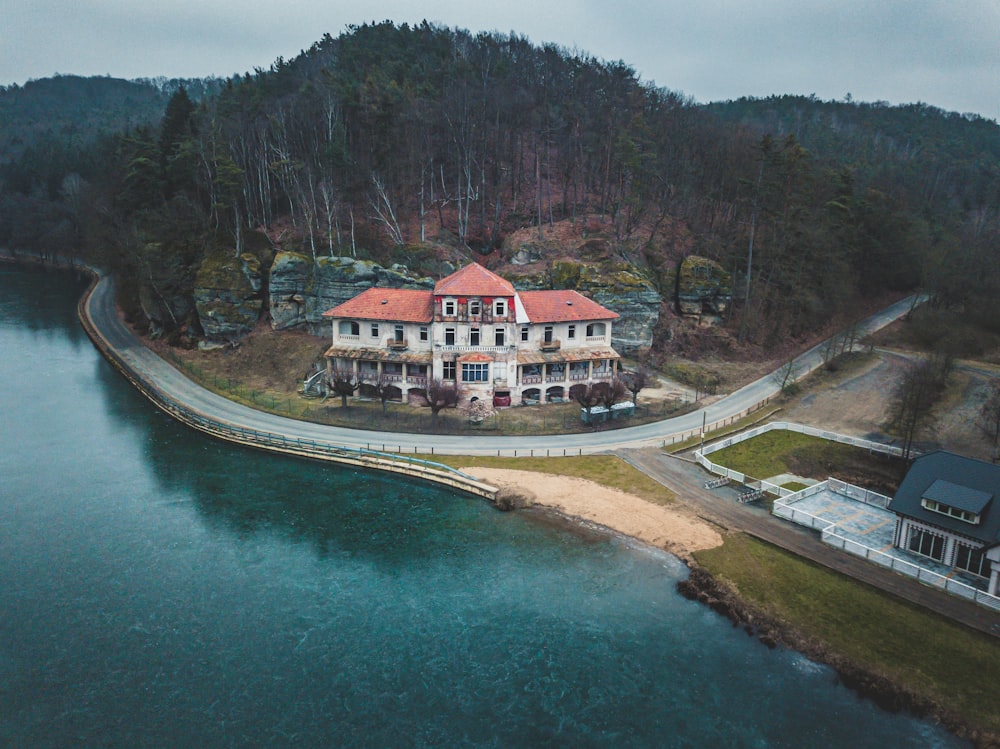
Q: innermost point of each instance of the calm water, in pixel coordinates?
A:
(158, 588)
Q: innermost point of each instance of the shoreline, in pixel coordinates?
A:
(885, 693)
(669, 528)
(585, 505)
(889, 695)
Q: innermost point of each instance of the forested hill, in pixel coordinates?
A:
(422, 144)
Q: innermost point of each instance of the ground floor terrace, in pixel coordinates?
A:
(506, 377)
(858, 522)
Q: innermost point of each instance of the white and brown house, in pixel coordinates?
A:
(476, 332)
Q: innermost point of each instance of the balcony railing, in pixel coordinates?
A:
(396, 343)
(552, 345)
(452, 349)
(530, 379)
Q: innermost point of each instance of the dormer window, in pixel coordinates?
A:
(955, 512)
(953, 500)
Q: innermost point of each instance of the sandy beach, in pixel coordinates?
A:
(667, 528)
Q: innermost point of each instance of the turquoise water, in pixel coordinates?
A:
(159, 588)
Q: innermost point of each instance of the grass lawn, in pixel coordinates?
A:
(767, 455)
(607, 470)
(782, 451)
(957, 667)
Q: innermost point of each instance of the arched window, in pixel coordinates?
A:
(349, 327)
(595, 330)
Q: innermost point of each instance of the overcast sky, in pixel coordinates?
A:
(942, 52)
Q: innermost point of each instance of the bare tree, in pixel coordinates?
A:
(915, 396)
(441, 396)
(343, 382)
(610, 393)
(786, 375)
(382, 386)
(635, 382)
(384, 212)
(587, 396)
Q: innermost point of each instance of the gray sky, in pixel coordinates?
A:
(942, 52)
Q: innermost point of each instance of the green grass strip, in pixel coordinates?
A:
(956, 667)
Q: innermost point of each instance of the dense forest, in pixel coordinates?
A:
(410, 143)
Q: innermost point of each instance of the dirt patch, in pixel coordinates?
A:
(873, 471)
(266, 360)
(852, 401)
(856, 401)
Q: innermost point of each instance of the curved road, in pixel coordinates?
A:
(100, 309)
(685, 480)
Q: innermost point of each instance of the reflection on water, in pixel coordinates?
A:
(165, 589)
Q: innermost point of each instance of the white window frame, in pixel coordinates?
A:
(475, 372)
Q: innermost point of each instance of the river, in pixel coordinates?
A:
(160, 588)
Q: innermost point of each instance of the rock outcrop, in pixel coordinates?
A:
(227, 295)
(301, 290)
(703, 287)
(618, 286)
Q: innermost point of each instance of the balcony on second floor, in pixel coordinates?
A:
(396, 344)
(553, 344)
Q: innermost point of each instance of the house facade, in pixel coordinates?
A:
(476, 332)
(948, 509)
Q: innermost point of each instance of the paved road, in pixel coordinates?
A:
(101, 310)
(637, 445)
(686, 479)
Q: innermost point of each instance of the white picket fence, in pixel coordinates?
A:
(735, 439)
(784, 508)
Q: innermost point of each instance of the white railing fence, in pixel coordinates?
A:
(784, 508)
(700, 455)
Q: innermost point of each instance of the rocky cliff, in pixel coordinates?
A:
(703, 287)
(618, 286)
(227, 295)
(301, 290)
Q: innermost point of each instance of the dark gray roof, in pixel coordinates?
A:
(956, 495)
(961, 482)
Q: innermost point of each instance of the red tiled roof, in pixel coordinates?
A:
(402, 305)
(474, 280)
(562, 306)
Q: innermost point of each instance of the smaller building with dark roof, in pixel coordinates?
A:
(948, 509)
